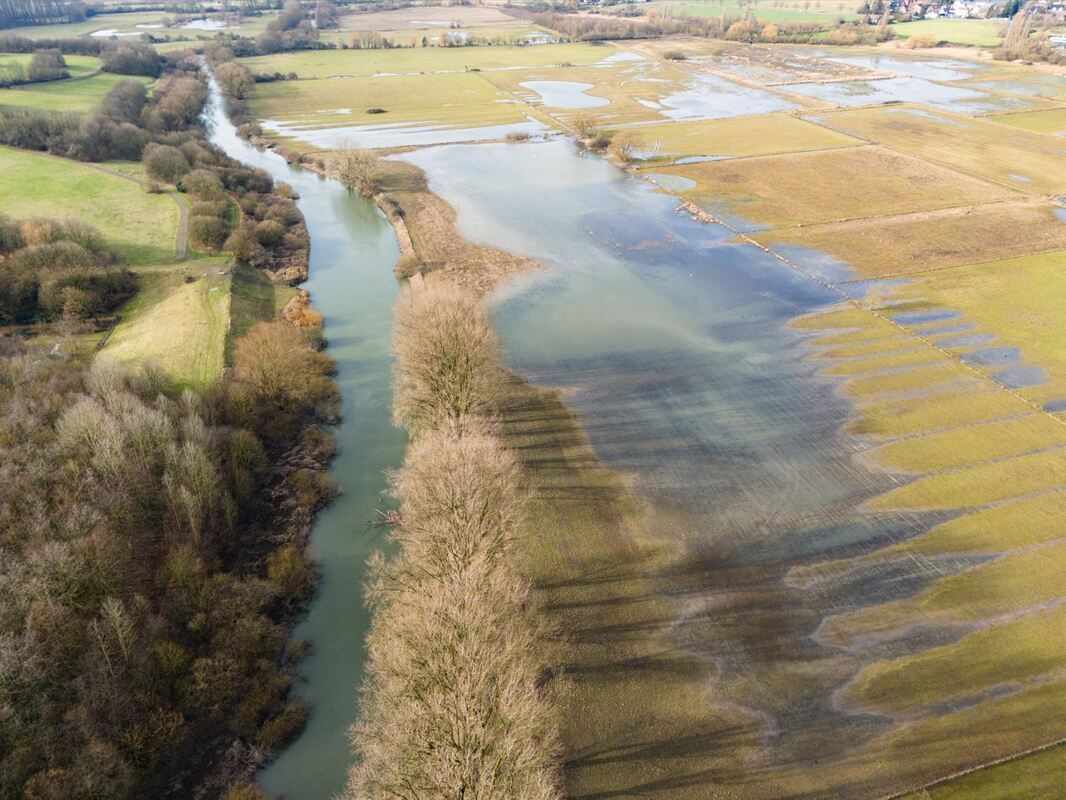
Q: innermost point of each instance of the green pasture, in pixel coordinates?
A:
(141, 226)
(1038, 775)
(1051, 121)
(77, 66)
(766, 10)
(976, 32)
(81, 95)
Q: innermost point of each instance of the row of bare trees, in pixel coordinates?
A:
(455, 703)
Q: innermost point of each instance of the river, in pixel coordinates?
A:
(353, 250)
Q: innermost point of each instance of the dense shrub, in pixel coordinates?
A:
(128, 59)
(47, 65)
(51, 269)
(208, 233)
(165, 163)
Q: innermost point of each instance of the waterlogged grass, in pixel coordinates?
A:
(178, 321)
(72, 94)
(1011, 299)
(1028, 161)
(779, 190)
(913, 243)
(972, 444)
(919, 355)
(1051, 121)
(977, 32)
(986, 483)
(141, 226)
(1011, 584)
(462, 100)
(759, 135)
(637, 708)
(917, 379)
(895, 344)
(366, 63)
(962, 403)
(1009, 526)
(1027, 648)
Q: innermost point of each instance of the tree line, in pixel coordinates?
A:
(456, 701)
(17, 13)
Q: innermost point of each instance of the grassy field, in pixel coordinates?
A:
(977, 32)
(778, 190)
(76, 65)
(139, 225)
(1009, 299)
(766, 134)
(1019, 158)
(365, 63)
(1035, 776)
(73, 94)
(766, 10)
(1050, 121)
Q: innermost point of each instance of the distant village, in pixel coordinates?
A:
(966, 9)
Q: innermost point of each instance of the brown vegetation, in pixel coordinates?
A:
(139, 628)
(454, 703)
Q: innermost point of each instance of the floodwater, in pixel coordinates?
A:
(711, 97)
(671, 343)
(353, 250)
(909, 90)
(941, 69)
(565, 94)
(399, 134)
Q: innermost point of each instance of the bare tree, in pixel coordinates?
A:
(356, 169)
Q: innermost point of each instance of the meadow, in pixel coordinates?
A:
(974, 32)
(766, 10)
(81, 93)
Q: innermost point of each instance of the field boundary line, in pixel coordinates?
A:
(971, 770)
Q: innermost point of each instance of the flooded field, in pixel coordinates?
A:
(810, 328)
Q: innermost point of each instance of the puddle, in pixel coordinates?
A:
(673, 183)
(204, 25)
(970, 340)
(1014, 176)
(699, 159)
(565, 94)
(922, 317)
(1060, 213)
(711, 97)
(402, 134)
(905, 90)
(991, 356)
(1055, 406)
(150, 25)
(108, 33)
(939, 331)
(1020, 377)
(620, 57)
(861, 290)
(933, 70)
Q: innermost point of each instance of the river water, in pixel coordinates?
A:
(353, 250)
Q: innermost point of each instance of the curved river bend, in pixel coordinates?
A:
(353, 250)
